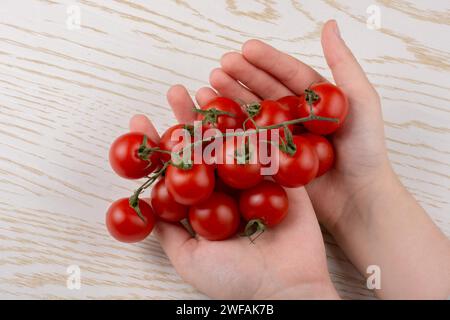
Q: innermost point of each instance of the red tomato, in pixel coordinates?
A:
(125, 157)
(238, 165)
(165, 206)
(327, 101)
(190, 186)
(222, 113)
(293, 103)
(216, 218)
(267, 202)
(174, 139)
(298, 169)
(125, 225)
(324, 150)
(271, 113)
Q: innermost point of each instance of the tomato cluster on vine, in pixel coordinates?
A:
(230, 181)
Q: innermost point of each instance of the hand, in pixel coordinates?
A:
(361, 152)
(361, 201)
(287, 262)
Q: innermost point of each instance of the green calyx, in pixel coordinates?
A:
(211, 116)
(254, 226)
(311, 96)
(287, 144)
(134, 203)
(145, 152)
(253, 109)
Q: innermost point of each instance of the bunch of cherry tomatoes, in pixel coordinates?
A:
(226, 193)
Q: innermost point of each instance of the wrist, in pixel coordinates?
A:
(381, 192)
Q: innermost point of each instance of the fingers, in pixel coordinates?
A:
(181, 103)
(176, 242)
(294, 74)
(347, 72)
(259, 82)
(140, 123)
(204, 95)
(229, 87)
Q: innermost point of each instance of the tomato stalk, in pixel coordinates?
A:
(134, 199)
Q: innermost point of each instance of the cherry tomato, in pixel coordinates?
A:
(293, 103)
(175, 138)
(327, 101)
(267, 202)
(125, 225)
(127, 160)
(165, 206)
(216, 218)
(190, 186)
(270, 113)
(222, 113)
(324, 150)
(239, 166)
(298, 169)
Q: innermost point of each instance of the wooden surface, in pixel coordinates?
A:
(66, 93)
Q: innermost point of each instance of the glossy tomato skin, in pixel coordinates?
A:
(299, 169)
(164, 205)
(332, 103)
(235, 172)
(174, 139)
(124, 159)
(216, 218)
(324, 150)
(294, 105)
(190, 186)
(224, 121)
(271, 113)
(125, 225)
(267, 201)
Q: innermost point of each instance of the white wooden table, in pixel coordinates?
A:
(67, 92)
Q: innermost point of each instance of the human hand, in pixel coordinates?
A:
(287, 262)
(361, 152)
(360, 201)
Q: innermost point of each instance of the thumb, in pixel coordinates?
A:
(347, 72)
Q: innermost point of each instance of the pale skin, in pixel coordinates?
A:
(361, 201)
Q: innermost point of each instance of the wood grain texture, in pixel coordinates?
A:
(66, 94)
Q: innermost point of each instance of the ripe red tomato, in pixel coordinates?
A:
(324, 150)
(125, 225)
(216, 218)
(266, 201)
(190, 186)
(174, 139)
(165, 206)
(211, 114)
(270, 113)
(298, 169)
(127, 160)
(327, 101)
(238, 165)
(294, 103)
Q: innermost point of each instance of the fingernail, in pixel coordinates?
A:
(336, 30)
